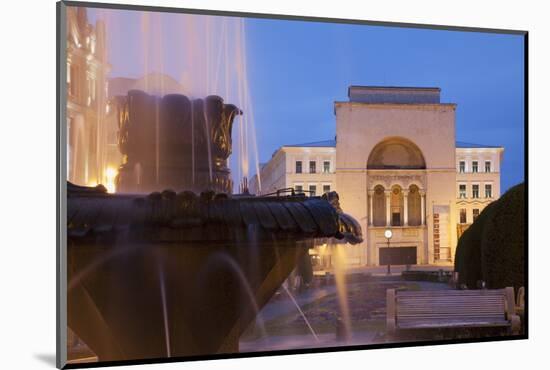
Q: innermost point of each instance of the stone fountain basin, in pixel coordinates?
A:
(179, 274)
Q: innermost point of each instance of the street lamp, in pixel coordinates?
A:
(388, 234)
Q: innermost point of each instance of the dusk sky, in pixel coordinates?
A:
(297, 70)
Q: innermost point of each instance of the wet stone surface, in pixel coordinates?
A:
(366, 301)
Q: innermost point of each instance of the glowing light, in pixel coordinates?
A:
(110, 176)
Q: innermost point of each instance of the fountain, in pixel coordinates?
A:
(181, 272)
(186, 148)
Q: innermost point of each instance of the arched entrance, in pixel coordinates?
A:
(396, 153)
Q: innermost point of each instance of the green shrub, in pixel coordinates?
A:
(503, 247)
(492, 248)
(468, 251)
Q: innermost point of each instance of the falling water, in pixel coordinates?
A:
(227, 260)
(164, 310)
(157, 142)
(195, 55)
(192, 142)
(339, 252)
(208, 138)
(97, 263)
(301, 313)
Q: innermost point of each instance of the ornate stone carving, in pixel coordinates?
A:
(387, 180)
(172, 142)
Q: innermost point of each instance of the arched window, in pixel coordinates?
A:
(413, 205)
(396, 206)
(396, 153)
(379, 206)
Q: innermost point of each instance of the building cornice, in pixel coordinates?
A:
(479, 150)
(409, 106)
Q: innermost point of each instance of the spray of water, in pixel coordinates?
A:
(164, 310)
(220, 258)
(208, 138)
(339, 253)
(206, 55)
(97, 263)
(301, 313)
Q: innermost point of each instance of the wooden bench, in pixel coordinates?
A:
(520, 302)
(451, 309)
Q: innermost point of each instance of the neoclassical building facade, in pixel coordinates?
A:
(91, 138)
(395, 164)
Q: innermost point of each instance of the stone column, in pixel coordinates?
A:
(423, 207)
(405, 208)
(371, 200)
(388, 207)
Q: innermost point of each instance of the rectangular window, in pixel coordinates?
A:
(488, 191)
(462, 191)
(487, 166)
(462, 215)
(326, 188)
(396, 219)
(326, 166)
(298, 166)
(475, 213)
(475, 191)
(299, 189)
(312, 166)
(461, 166)
(312, 190)
(474, 166)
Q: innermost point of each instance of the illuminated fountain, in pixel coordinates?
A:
(173, 264)
(174, 143)
(181, 272)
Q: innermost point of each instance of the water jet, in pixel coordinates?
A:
(182, 271)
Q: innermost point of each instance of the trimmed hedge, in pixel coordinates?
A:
(503, 247)
(468, 251)
(492, 248)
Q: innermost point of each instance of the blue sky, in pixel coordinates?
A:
(298, 69)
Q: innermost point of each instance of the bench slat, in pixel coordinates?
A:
(452, 319)
(443, 299)
(476, 292)
(452, 324)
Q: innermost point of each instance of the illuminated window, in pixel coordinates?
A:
(396, 206)
(462, 215)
